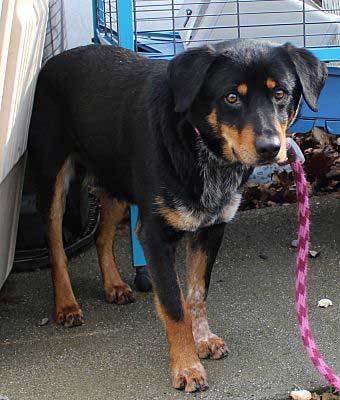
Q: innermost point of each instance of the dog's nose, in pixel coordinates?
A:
(268, 147)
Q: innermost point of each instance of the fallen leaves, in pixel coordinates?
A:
(326, 396)
(322, 159)
(330, 396)
(322, 166)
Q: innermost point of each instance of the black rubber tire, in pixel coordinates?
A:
(79, 225)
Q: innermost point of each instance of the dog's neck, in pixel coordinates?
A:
(198, 175)
(220, 179)
(206, 181)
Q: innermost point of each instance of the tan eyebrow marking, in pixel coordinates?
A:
(271, 84)
(242, 89)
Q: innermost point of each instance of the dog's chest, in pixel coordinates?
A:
(218, 203)
(190, 219)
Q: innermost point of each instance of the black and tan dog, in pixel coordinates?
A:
(179, 139)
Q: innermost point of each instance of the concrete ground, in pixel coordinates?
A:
(121, 353)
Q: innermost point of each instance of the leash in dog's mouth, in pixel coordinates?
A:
(296, 159)
(293, 150)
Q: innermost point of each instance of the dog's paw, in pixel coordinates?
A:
(120, 294)
(69, 316)
(191, 378)
(212, 347)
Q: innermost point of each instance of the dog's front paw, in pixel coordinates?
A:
(69, 316)
(212, 347)
(120, 294)
(190, 378)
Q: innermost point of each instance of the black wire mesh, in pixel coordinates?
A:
(55, 39)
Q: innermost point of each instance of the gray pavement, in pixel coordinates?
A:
(121, 352)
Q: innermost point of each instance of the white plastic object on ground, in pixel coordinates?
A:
(324, 303)
(301, 395)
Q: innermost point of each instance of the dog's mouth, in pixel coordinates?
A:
(254, 160)
(275, 157)
(264, 162)
(267, 160)
(247, 159)
(279, 158)
(242, 147)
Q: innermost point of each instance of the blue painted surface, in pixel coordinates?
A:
(328, 54)
(98, 12)
(94, 20)
(101, 12)
(328, 114)
(137, 250)
(125, 24)
(126, 39)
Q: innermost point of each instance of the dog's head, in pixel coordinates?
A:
(241, 96)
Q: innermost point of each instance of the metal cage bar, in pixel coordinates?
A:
(163, 28)
(125, 22)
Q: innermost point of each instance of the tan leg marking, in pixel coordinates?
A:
(67, 310)
(187, 372)
(207, 344)
(111, 214)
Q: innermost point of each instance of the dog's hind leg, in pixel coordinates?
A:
(202, 248)
(111, 214)
(49, 149)
(67, 310)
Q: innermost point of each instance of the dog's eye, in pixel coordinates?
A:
(231, 98)
(279, 94)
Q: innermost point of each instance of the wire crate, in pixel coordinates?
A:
(163, 28)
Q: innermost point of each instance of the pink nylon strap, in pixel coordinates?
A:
(301, 278)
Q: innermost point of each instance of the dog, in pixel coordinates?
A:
(178, 138)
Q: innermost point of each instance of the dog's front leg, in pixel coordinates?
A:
(202, 248)
(186, 370)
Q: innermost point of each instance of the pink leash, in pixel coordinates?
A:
(302, 269)
(295, 157)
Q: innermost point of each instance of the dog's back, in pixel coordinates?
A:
(84, 101)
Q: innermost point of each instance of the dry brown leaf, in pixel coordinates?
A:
(322, 169)
(320, 136)
(330, 396)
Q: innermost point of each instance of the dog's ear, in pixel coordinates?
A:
(311, 72)
(186, 73)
